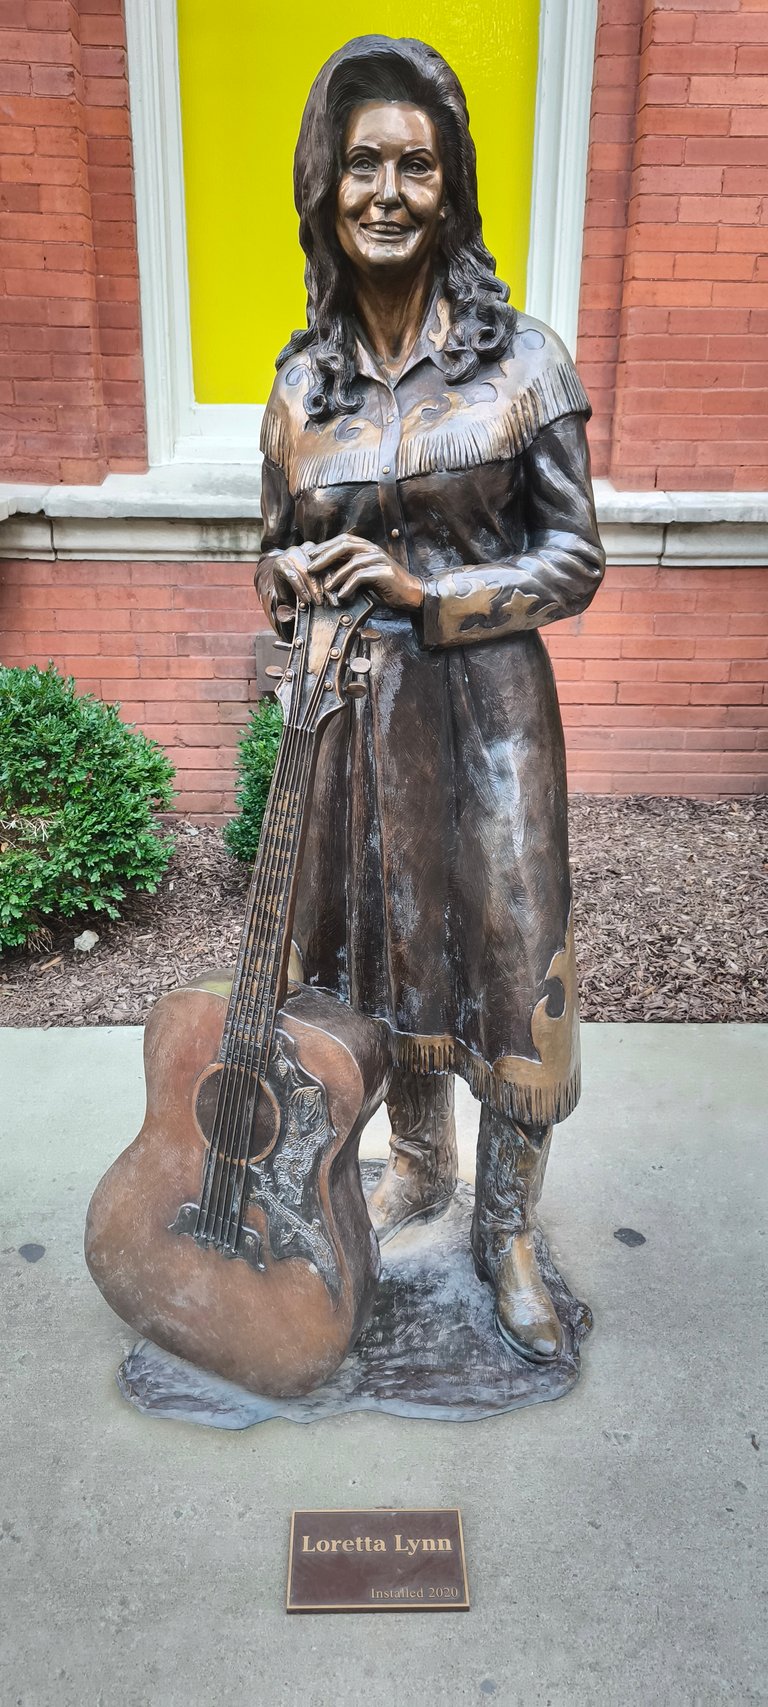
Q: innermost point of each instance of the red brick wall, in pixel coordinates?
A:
(609, 173)
(71, 395)
(662, 681)
(681, 382)
(173, 642)
(664, 685)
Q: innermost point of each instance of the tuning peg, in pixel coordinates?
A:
(286, 613)
(356, 690)
(283, 645)
(361, 666)
(275, 670)
(369, 634)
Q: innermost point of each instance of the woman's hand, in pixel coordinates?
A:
(347, 563)
(292, 577)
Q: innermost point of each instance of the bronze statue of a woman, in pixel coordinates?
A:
(426, 442)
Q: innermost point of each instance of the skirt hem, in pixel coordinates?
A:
(538, 1105)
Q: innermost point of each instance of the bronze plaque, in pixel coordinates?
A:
(377, 1561)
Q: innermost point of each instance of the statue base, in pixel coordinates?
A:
(430, 1348)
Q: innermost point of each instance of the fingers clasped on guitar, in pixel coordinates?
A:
(347, 563)
(292, 578)
(336, 569)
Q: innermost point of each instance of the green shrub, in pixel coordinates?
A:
(256, 755)
(77, 790)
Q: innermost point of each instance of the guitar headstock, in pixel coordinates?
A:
(325, 665)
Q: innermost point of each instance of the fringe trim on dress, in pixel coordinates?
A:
(275, 438)
(542, 1105)
(466, 441)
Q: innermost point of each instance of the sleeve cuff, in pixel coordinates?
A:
(461, 607)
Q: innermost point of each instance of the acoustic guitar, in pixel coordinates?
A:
(233, 1231)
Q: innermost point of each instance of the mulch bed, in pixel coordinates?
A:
(671, 922)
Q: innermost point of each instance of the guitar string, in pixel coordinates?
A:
(256, 946)
(240, 1017)
(260, 995)
(234, 1066)
(264, 871)
(232, 1070)
(261, 1060)
(260, 991)
(267, 1031)
(248, 947)
(260, 1039)
(244, 1096)
(248, 942)
(242, 1089)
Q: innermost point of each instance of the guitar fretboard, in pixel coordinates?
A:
(261, 974)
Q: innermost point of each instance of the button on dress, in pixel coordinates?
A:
(435, 889)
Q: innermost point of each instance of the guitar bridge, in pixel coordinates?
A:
(248, 1243)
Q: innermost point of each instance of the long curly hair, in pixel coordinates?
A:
(482, 320)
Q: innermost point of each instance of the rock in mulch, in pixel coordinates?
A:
(671, 922)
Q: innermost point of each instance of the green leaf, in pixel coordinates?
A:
(78, 788)
(256, 759)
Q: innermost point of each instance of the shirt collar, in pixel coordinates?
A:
(429, 345)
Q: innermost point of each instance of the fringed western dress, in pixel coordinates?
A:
(435, 890)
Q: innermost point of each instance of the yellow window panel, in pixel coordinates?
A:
(246, 68)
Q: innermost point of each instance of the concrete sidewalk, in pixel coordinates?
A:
(615, 1540)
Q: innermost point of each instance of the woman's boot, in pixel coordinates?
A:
(511, 1159)
(420, 1176)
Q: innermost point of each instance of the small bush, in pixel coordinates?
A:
(256, 756)
(77, 790)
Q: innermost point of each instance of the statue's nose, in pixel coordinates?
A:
(386, 186)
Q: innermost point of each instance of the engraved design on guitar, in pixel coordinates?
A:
(285, 1185)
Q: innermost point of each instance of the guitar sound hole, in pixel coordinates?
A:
(243, 1111)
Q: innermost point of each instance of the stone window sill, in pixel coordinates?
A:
(182, 511)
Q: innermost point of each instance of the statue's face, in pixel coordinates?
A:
(390, 196)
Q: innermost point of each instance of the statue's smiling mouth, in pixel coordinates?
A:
(386, 228)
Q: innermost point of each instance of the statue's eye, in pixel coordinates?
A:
(361, 163)
(417, 165)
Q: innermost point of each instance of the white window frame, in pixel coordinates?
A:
(181, 430)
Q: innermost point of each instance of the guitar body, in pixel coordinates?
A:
(279, 1314)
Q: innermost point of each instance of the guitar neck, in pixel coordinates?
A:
(261, 975)
(311, 691)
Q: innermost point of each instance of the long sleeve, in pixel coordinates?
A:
(279, 518)
(560, 569)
